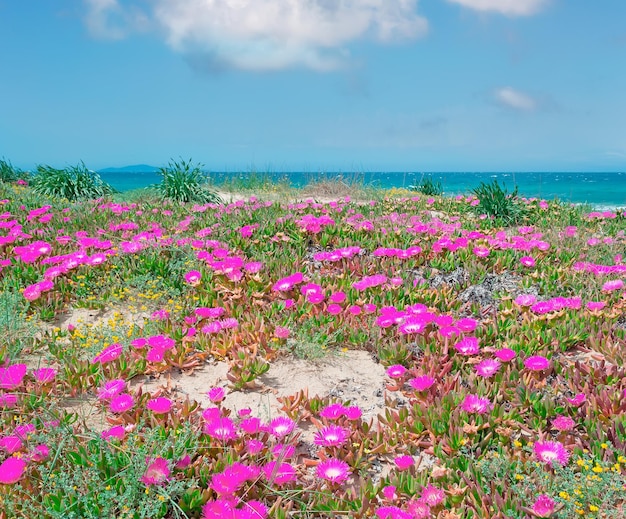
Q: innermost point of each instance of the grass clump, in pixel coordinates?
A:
(72, 183)
(497, 203)
(9, 173)
(428, 186)
(185, 182)
(18, 332)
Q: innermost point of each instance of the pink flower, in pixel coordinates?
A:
(228, 481)
(281, 333)
(44, 375)
(525, 300)
(413, 324)
(193, 277)
(8, 400)
(392, 512)
(222, 429)
(390, 492)
(353, 412)
(432, 495)
(333, 411)
(369, 308)
(610, 286)
(24, 430)
(279, 473)
(121, 403)
(282, 426)
(13, 376)
(283, 451)
(11, 444)
(226, 507)
(466, 325)
(481, 252)
(117, 431)
(543, 506)
(487, 367)
(212, 327)
(334, 309)
(161, 341)
(578, 400)
(595, 306)
(333, 470)
(251, 425)
(210, 313)
(551, 452)
(254, 446)
(159, 405)
(108, 354)
(404, 462)
(505, 354)
(422, 383)
(32, 292)
(111, 389)
(563, 423)
(476, 404)
(331, 436)
(467, 346)
(536, 363)
(337, 297)
(157, 472)
(216, 394)
(183, 462)
(527, 261)
(160, 315)
(419, 509)
(12, 470)
(396, 371)
(155, 354)
(287, 283)
(230, 322)
(40, 453)
(139, 343)
(354, 309)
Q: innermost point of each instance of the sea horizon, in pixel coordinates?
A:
(599, 189)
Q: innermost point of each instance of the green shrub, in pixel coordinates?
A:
(72, 183)
(185, 182)
(497, 203)
(9, 173)
(428, 187)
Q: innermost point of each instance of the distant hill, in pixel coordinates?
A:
(137, 168)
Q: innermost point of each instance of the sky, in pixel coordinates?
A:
(315, 85)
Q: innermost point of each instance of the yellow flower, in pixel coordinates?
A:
(519, 477)
(564, 495)
(517, 443)
(593, 508)
(604, 445)
(597, 469)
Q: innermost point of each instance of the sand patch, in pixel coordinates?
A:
(352, 376)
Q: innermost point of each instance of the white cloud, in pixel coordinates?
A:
(511, 98)
(269, 34)
(506, 7)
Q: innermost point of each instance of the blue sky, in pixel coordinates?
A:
(315, 85)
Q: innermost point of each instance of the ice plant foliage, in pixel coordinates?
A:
(494, 325)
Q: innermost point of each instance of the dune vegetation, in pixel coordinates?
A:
(499, 323)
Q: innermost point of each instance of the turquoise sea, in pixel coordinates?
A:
(598, 189)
